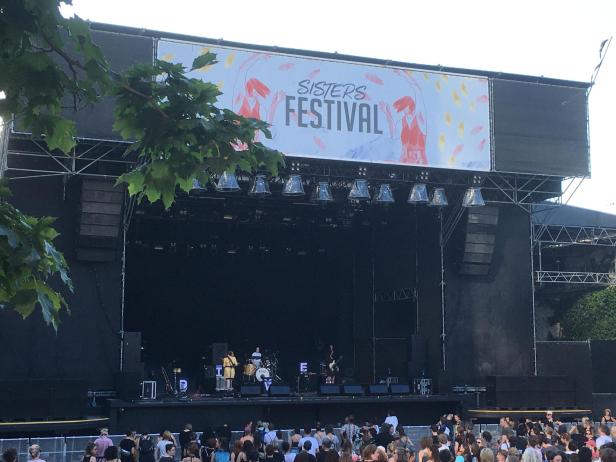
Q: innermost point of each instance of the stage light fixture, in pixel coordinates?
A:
(323, 193)
(473, 198)
(359, 191)
(418, 194)
(439, 198)
(260, 187)
(227, 183)
(384, 196)
(197, 186)
(293, 186)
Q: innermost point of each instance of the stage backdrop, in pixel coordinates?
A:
(330, 109)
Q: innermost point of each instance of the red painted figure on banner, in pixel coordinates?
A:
(412, 136)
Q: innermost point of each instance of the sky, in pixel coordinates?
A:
(549, 38)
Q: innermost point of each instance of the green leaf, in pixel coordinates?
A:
(62, 135)
(206, 59)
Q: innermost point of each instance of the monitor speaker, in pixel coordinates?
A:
(352, 390)
(250, 390)
(400, 389)
(280, 390)
(378, 389)
(329, 390)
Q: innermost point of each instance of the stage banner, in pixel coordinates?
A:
(331, 109)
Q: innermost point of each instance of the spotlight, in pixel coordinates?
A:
(439, 199)
(473, 198)
(197, 186)
(418, 194)
(227, 183)
(359, 191)
(323, 193)
(384, 196)
(259, 187)
(293, 187)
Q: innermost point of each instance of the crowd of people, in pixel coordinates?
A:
(451, 440)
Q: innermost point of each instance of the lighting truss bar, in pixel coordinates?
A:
(575, 277)
(560, 235)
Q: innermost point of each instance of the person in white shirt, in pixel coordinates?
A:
(603, 436)
(270, 436)
(313, 441)
(255, 358)
(392, 420)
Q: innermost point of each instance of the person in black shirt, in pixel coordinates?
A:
(186, 436)
(127, 447)
(384, 437)
(327, 452)
(169, 453)
(304, 455)
(146, 448)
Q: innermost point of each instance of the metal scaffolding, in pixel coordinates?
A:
(562, 235)
(575, 277)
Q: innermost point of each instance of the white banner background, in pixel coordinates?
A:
(329, 109)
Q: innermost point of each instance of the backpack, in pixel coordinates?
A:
(146, 446)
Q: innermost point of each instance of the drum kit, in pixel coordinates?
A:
(261, 369)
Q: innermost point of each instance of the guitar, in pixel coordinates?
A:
(334, 366)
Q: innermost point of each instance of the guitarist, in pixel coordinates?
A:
(333, 366)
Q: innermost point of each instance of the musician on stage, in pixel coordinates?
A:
(255, 358)
(229, 363)
(332, 365)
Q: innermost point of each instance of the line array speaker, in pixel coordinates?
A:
(480, 241)
(100, 220)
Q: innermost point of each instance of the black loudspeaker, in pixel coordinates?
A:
(127, 385)
(329, 390)
(443, 383)
(280, 390)
(352, 390)
(530, 391)
(69, 398)
(100, 220)
(43, 399)
(479, 241)
(400, 389)
(250, 390)
(418, 356)
(219, 351)
(571, 359)
(132, 353)
(603, 366)
(378, 389)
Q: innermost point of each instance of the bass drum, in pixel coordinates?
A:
(262, 373)
(250, 369)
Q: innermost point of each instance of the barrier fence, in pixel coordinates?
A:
(71, 448)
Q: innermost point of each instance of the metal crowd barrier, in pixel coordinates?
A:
(71, 448)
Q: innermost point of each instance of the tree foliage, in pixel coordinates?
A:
(593, 316)
(28, 261)
(49, 63)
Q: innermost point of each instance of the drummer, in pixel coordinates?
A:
(255, 358)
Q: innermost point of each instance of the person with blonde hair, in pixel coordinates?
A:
(487, 455)
(34, 452)
(165, 439)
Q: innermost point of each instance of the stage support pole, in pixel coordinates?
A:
(124, 227)
(442, 250)
(532, 287)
